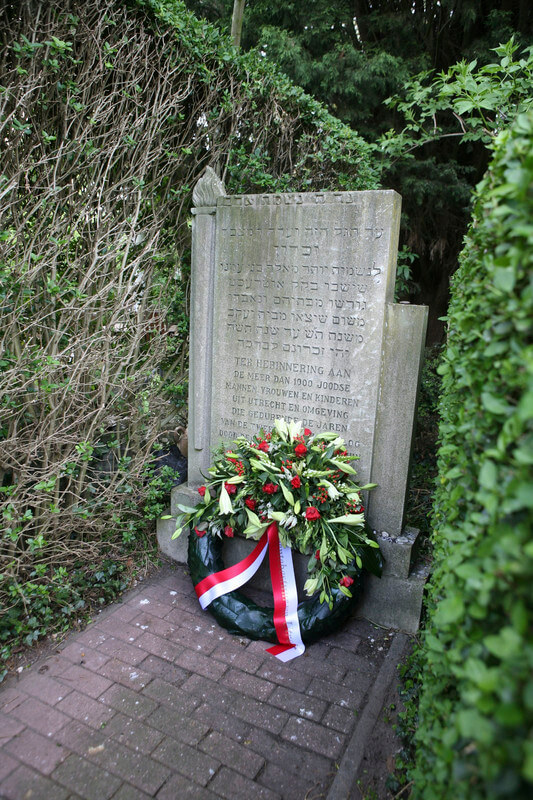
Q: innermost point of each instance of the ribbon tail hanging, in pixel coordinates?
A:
(285, 593)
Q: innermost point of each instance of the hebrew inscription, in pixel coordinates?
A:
(301, 283)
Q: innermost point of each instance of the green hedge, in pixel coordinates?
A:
(475, 737)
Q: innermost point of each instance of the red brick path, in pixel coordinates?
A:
(153, 699)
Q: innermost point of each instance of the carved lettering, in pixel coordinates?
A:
(299, 298)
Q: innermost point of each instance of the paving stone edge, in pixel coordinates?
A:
(348, 770)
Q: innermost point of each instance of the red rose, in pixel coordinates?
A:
(263, 446)
(250, 502)
(228, 531)
(346, 581)
(201, 491)
(317, 555)
(312, 513)
(230, 488)
(307, 432)
(300, 450)
(199, 533)
(296, 482)
(270, 488)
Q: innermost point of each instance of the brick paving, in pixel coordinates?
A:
(153, 699)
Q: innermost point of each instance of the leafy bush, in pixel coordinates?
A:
(475, 727)
(469, 101)
(109, 113)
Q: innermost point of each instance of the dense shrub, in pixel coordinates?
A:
(475, 726)
(109, 113)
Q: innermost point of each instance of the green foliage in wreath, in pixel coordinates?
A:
(304, 483)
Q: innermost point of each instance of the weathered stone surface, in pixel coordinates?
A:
(399, 552)
(301, 286)
(208, 189)
(403, 351)
(395, 602)
(175, 548)
(201, 327)
(292, 315)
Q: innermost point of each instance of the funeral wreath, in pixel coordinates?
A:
(302, 485)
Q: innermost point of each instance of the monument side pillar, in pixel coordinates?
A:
(402, 357)
(205, 195)
(395, 599)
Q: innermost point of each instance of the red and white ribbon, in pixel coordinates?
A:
(283, 586)
(227, 580)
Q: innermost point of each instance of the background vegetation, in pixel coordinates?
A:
(109, 113)
(474, 732)
(355, 54)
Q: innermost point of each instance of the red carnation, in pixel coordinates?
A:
(201, 491)
(230, 488)
(346, 581)
(270, 488)
(199, 533)
(307, 432)
(228, 531)
(312, 513)
(296, 482)
(250, 502)
(300, 450)
(263, 446)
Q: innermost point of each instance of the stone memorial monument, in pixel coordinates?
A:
(293, 315)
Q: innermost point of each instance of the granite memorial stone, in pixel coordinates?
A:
(293, 315)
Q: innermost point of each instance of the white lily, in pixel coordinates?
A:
(281, 426)
(295, 429)
(285, 519)
(355, 497)
(349, 470)
(349, 519)
(224, 501)
(333, 492)
(177, 532)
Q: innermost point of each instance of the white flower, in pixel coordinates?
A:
(295, 429)
(281, 427)
(225, 502)
(333, 492)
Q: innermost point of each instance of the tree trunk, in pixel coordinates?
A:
(236, 22)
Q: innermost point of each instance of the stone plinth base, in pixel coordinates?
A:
(394, 602)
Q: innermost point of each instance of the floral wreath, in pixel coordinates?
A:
(302, 486)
